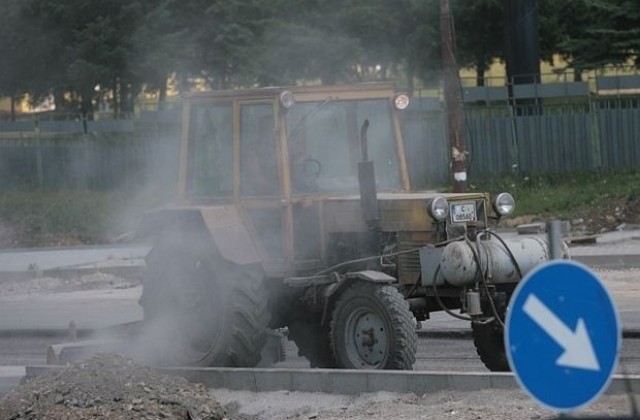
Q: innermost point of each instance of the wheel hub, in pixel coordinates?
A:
(367, 336)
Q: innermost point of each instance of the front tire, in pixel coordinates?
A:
(200, 309)
(373, 328)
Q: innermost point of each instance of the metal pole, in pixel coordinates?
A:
(453, 99)
(555, 243)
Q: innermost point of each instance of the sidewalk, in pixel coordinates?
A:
(64, 262)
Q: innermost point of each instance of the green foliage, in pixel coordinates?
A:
(563, 194)
(43, 218)
(601, 32)
(478, 43)
(72, 47)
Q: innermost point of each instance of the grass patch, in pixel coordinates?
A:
(73, 217)
(565, 195)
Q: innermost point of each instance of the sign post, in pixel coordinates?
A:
(562, 335)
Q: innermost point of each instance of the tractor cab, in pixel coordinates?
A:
(278, 154)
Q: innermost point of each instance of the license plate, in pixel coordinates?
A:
(463, 212)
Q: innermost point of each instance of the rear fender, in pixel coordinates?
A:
(334, 290)
(224, 226)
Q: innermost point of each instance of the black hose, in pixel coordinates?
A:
(442, 305)
(483, 279)
(414, 287)
(511, 256)
(393, 254)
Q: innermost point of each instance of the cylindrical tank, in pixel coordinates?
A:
(459, 267)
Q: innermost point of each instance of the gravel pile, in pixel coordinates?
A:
(109, 387)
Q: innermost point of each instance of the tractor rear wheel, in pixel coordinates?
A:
(201, 309)
(373, 328)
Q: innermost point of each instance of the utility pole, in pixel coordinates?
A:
(453, 100)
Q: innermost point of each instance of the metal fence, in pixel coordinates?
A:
(581, 135)
(89, 161)
(584, 135)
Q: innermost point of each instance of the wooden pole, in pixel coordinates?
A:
(453, 100)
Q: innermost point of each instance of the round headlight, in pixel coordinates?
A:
(287, 100)
(401, 102)
(438, 208)
(504, 204)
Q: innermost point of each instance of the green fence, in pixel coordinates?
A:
(584, 135)
(97, 161)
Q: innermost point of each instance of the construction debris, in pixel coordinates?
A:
(109, 387)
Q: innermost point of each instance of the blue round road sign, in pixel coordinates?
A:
(562, 335)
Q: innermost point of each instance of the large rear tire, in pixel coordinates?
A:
(201, 309)
(373, 328)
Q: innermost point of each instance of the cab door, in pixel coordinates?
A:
(260, 187)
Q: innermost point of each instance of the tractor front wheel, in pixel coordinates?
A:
(373, 328)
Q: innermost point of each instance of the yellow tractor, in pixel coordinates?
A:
(296, 211)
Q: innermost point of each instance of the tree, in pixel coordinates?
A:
(89, 45)
(12, 51)
(161, 47)
(422, 50)
(304, 40)
(607, 33)
(479, 34)
(28, 56)
(225, 35)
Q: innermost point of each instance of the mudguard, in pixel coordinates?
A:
(224, 224)
(332, 292)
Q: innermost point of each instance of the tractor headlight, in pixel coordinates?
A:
(504, 204)
(438, 208)
(401, 102)
(287, 100)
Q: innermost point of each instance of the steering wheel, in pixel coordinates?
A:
(311, 168)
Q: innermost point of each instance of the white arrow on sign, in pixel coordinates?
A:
(578, 350)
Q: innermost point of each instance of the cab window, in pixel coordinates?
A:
(258, 151)
(325, 147)
(211, 151)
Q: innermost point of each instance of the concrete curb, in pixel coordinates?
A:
(342, 381)
(611, 262)
(44, 332)
(11, 377)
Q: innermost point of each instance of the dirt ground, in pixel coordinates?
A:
(489, 404)
(593, 220)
